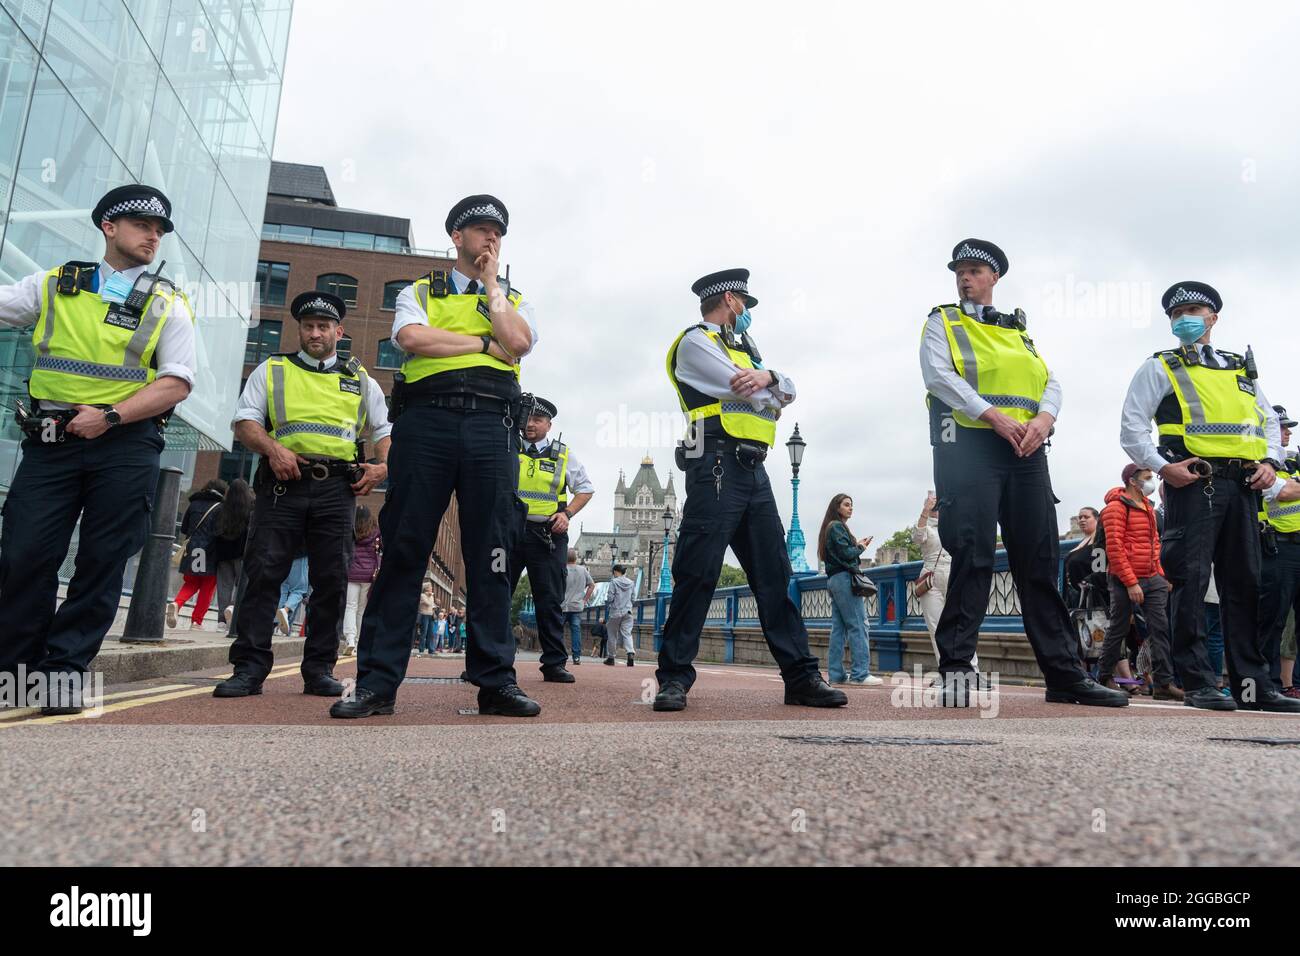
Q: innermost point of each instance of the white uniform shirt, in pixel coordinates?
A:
(578, 481)
(410, 313)
(942, 381)
(20, 306)
(1151, 386)
(251, 406)
(704, 366)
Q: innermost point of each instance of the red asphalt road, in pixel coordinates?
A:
(601, 694)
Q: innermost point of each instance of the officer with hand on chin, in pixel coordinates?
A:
(305, 413)
(114, 348)
(732, 402)
(993, 403)
(1219, 450)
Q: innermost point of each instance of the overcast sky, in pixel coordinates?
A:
(838, 151)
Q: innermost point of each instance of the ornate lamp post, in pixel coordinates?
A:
(665, 577)
(794, 540)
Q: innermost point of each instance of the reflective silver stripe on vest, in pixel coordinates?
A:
(1225, 428)
(314, 428)
(51, 290)
(558, 478)
(421, 290)
(744, 408)
(970, 368)
(150, 321)
(363, 407)
(1012, 401)
(1189, 395)
(112, 373)
(1285, 511)
(278, 413)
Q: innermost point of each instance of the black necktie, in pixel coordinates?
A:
(1210, 358)
(472, 288)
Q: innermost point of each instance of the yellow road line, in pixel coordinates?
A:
(117, 695)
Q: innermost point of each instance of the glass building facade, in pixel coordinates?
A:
(180, 94)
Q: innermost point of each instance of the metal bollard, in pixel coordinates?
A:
(145, 616)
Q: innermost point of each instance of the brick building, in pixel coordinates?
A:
(310, 242)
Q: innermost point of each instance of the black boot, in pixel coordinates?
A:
(1087, 692)
(365, 704)
(630, 658)
(507, 701)
(672, 696)
(238, 685)
(322, 685)
(815, 692)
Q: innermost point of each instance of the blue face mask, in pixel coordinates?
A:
(742, 321)
(1189, 328)
(116, 289)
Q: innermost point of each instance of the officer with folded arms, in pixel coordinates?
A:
(114, 354)
(1219, 450)
(548, 472)
(993, 403)
(733, 403)
(457, 412)
(306, 413)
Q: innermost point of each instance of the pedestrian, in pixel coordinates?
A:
(198, 562)
(932, 582)
(578, 589)
(424, 634)
(841, 553)
(307, 414)
(993, 403)
(549, 473)
(114, 355)
(293, 595)
(732, 401)
(366, 550)
(1279, 589)
(1220, 449)
(1136, 580)
(457, 410)
(229, 544)
(1085, 567)
(442, 638)
(619, 622)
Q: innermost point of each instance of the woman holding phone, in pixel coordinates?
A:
(841, 552)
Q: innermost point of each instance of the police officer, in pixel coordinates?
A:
(732, 402)
(1219, 450)
(305, 413)
(1279, 587)
(993, 403)
(548, 471)
(114, 348)
(457, 415)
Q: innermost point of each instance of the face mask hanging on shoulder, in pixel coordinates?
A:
(116, 289)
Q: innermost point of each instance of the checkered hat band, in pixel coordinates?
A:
(970, 252)
(135, 207)
(323, 306)
(727, 285)
(1183, 295)
(488, 211)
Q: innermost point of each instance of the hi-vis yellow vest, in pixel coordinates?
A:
(543, 479)
(1219, 415)
(465, 314)
(1001, 364)
(1284, 515)
(93, 352)
(316, 413)
(739, 419)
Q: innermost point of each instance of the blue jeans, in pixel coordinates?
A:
(848, 616)
(574, 620)
(427, 645)
(1214, 638)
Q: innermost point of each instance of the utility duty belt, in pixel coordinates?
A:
(1227, 469)
(749, 454)
(317, 469)
(50, 426)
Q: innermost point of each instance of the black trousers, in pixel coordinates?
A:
(436, 451)
(317, 516)
(1279, 595)
(1222, 529)
(109, 483)
(544, 555)
(981, 484)
(744, 516)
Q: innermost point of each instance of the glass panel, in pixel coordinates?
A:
(270, 230)
(390, 356)
(295, 232)
(17, 77)
(64, 168)
(263, 341)
(223, 15)
(31, 16)
(345, 287)
(389, 244)
(112, 79)
(391, 289)
(327, 237)
(231, 253)
(244, 161)
(151, 17)
(177, 162)
(274, 17)
(199, 74)
(345, 348)
(358, 240)
(272, 282)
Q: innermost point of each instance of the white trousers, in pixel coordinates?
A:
(358, 593)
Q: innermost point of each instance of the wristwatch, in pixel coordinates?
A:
(487, 342)
(774, 378)
(112, 416)
(1272, 463)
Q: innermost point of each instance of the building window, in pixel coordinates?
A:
(390, 356)
(344, 349)
(272, 281)
(391, 289)
(263, 341)
(343, 286)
